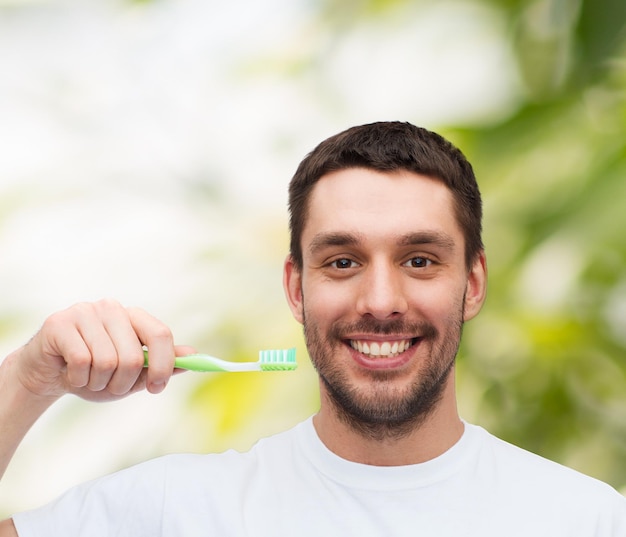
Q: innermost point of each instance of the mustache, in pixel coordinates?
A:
(373, 326)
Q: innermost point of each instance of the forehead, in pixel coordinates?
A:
(380, 205)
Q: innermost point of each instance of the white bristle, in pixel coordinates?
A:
(278, 357)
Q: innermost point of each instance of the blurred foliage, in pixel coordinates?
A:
(544, 364)
(550, 350)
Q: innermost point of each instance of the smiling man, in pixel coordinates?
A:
(382, 290)
(386, 264)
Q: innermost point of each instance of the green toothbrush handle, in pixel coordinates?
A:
(205, 363)
(200, 362)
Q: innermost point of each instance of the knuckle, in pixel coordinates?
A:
(107, 305)
(162, 332)
(136, 313)
(80, 309)
(78, 358)
(134, 360)
(56, 321)
(106, 362)
(70, 316)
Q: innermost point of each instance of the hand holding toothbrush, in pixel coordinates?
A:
(99, 351)
(91, 350)
(94, 350)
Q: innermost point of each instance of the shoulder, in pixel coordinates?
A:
(530, 473)
(232, 462)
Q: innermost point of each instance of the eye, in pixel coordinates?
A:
(343, 263)
(418, 262)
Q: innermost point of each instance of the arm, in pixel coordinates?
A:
(19, 409)
(16, 418)
(91, 350)
(7, 529)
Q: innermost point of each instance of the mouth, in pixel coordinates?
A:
(382, 349)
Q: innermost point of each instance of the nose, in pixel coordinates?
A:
(381, 292)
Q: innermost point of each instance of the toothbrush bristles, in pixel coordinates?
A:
(278, 360)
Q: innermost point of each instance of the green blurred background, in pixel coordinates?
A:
(146, 150)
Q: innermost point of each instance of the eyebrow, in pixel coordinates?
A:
(326, 240)
(330, 239)
(437, 238)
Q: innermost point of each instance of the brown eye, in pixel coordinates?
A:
(343, 263)
(418, 262)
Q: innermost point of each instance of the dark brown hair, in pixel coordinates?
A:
(387, 147)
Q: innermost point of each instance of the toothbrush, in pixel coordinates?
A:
(269, 360)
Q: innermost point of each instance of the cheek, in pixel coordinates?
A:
(327, 301)
(436, 300)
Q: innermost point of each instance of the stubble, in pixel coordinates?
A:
(384, 410)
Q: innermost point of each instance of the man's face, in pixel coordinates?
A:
(382, 294)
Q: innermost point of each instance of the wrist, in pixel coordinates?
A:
(17, 395)
(19, 409)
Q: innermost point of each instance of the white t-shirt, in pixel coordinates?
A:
(292, 485)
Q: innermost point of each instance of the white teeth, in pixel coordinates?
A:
(384, 349)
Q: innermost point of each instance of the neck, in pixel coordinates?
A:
(426, 439)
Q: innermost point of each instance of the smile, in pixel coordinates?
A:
(384, 349)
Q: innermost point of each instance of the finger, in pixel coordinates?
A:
(129, 350)
(90, 322)
(77, 359)
(184, 350)
(63, 347)
(160, 342)
(140, 382)
(129, 368)
(104, 362)
(77, 337)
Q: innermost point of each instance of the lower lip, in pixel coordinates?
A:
(394, 362)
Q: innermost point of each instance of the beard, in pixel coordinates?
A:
(385, 410)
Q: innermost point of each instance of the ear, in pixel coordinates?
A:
(292, 284)
(476, 287)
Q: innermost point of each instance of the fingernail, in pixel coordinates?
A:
(156, 387)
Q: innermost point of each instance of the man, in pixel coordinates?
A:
(386, 264)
